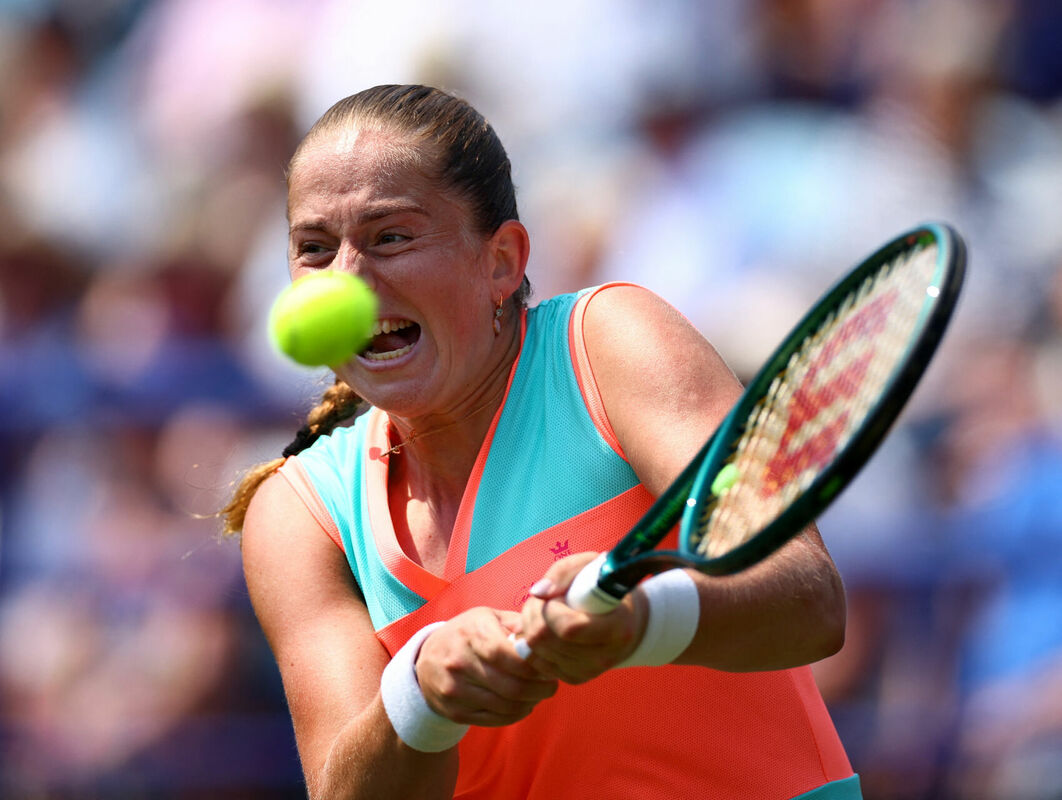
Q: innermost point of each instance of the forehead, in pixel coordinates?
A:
(355, 160)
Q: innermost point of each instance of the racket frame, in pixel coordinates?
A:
(635, 556)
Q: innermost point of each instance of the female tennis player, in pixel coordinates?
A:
(408, 564)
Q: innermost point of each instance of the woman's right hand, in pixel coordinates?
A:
(469, 671)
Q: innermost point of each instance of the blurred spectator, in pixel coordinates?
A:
(122, 629)
(1002, 464)
(734, 156)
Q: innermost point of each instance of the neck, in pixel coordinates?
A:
(448, 442)
(412, 439)
(432, 458)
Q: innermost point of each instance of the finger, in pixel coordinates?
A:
(493, 648)
(506, 673)
(544, 667)
(572, 669)
(509, 620)
(549, 620)
(508, 653)
(574, 646)
(495, 696)
(548, 668)
(560, 575)
(485, 718)
(520, 645)
(503, 687)
(477, 706)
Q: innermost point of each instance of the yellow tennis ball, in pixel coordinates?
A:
(323, 319)
(725, 478)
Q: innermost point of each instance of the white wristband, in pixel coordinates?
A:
(674, 611)
(413, 719)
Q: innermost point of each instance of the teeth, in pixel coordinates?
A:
(371, 356)
(389, 326)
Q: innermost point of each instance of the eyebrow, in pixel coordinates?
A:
(371, 215)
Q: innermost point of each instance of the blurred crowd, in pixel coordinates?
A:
(736, 156)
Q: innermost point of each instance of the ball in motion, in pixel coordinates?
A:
(323, 318)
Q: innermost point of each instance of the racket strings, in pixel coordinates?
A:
(830, 385)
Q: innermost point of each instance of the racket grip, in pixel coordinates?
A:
(585, 595)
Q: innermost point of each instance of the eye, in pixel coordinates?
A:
(391, 238)
(312, 253)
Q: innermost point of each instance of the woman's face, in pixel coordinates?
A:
(357, 202)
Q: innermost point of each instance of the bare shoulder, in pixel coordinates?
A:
(282, 539)
(664, 386)
(632, 328)
(295, 573)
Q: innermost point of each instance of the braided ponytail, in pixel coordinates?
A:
(338, 403)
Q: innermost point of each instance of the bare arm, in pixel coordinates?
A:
(665, 389)
(316, 621)
(330, 660)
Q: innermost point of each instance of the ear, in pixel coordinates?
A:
(510, 248)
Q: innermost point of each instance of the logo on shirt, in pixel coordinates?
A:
(559, 550)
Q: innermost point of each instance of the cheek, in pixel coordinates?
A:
(453, 291)
(461, 292)
(463, 328)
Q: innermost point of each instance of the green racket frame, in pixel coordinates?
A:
(634, 556)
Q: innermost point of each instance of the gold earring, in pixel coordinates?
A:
(496, 322)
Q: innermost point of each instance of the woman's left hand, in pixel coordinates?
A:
(571, 645)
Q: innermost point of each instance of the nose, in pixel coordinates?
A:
(351, 259)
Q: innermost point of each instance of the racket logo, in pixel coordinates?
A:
(818, 412)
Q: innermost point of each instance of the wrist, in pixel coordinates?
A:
(414, 721)
(673, 608)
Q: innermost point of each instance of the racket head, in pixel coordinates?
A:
(821, 404)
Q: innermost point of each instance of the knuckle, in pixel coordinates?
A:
(452, 666)
(571, 627)
(448, 690)
(448, 684)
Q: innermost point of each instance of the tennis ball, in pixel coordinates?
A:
(323, 318)
(725, 478)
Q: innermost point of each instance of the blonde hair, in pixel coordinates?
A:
(338, 403)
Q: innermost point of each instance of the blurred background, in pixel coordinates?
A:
(735, 155)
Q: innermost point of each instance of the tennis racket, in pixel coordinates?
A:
(804, 427)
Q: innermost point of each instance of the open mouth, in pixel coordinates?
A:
(392, 338)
